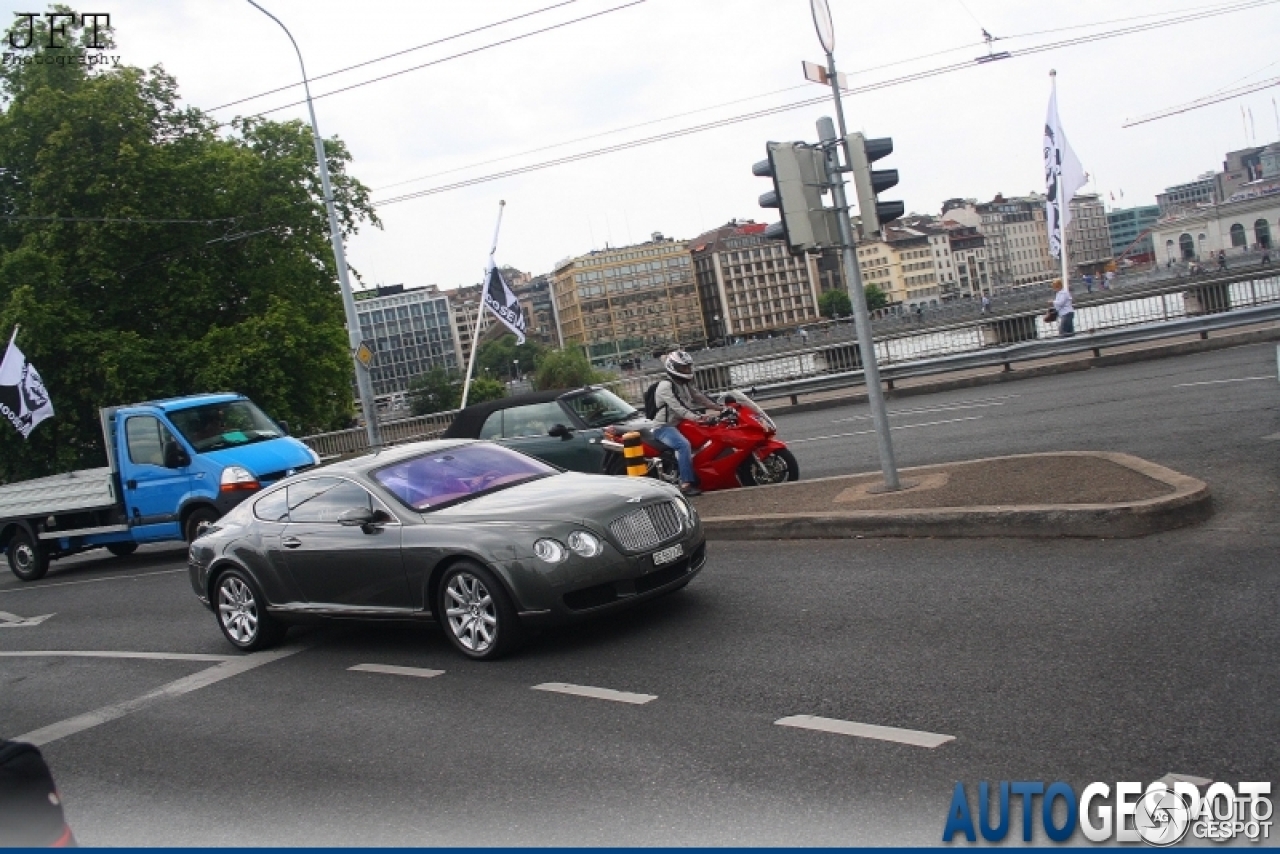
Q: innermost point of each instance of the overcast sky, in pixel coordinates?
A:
(973, 132)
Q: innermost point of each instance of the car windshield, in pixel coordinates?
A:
(454, 474)
(229, 424)
(599, 407)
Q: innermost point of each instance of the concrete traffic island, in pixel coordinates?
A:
(1092, 494)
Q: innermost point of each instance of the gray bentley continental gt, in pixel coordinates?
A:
(482, 539)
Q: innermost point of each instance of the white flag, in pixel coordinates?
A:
(1063, 176)
(23, 398)
(500, 299)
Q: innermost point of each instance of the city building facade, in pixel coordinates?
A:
(621, 302)
(1185, 197)
(1088, 236)
(1016, 238)
(1126, 226)
(410, 330)
(1247, 225)
(749, 285)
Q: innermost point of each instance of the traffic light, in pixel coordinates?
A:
(799, 174)
(871, 182)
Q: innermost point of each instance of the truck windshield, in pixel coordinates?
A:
(230, 424)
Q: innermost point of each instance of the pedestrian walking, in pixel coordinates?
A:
(1108, 279)
(1063, 310)
(1222, 259)
(1088, 282)
(920, 313)
(986, 304)
(1266, 257)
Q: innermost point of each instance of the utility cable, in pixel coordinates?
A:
(907, 78)
(459, 55)
(393, 55)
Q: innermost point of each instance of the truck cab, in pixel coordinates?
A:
(174, 467)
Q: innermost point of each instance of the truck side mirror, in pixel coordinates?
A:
(175, 457)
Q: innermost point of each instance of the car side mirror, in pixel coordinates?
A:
(284, 427)
(728, 398)
(357, 517)
(175, 457)
(561, 431)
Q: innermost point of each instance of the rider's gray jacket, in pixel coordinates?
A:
(676, 401)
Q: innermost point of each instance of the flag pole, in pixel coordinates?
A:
(1062, 202)
(475, 335)
(14, 336)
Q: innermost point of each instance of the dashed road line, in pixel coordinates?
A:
(1171, 778)
(394, 670)
(881, 733)
(185, 685)
(107, 653)
(596, 693)
(1216, 382)
(869, 432)
(980, 403)
(90, 581)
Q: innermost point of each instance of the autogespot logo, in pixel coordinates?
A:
(1159, 815)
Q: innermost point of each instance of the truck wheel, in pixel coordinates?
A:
(122, 549)
(26, 558)
(200, 518)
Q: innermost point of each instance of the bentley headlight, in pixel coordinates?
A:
(550, 551)
(686, 510)
(587, 545)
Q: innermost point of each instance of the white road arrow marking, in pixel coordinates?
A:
(9, 621)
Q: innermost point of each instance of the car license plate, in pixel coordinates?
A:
(667, 555)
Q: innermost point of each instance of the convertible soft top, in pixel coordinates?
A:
(467, 423)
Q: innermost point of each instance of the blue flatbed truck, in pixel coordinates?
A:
(174, 467)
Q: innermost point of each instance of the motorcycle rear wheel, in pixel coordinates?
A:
(781, 467)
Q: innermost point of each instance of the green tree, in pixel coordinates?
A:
(437, 390)
(498, 357)
(835, 304)
(876, 298)
(485, 388)
(567, 369)
(146, 253)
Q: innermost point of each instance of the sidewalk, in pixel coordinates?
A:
(1067, 494)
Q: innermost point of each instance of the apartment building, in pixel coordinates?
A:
(1088, 235)
(749, 285)
(1126, 226)
(411, 331)
(620, 302)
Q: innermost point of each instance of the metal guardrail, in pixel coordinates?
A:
(828, 359)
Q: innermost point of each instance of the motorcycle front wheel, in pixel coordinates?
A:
(779, 467)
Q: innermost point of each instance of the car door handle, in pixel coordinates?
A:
(291, 542)
(131, 484)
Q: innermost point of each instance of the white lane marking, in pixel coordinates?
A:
(91, 580)
(107, 653)
(1273, 437)
(9, 621)
(882, 733)
(597, 693)
(185, 685)
(397, 671)
(869, 432)
(1171, 778)
(949, 407)
(1216, 382)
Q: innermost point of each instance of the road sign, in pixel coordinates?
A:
(818, 74)
(364, 355)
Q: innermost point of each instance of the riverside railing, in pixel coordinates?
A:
(1015, 330)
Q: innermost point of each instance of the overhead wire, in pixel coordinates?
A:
(385, 57)
(1179, 18)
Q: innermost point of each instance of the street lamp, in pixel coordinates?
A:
(363, 381)
(515, 369)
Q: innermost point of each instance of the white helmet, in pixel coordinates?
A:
(679, 366)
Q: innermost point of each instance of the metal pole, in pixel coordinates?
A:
(363, 382)
(853, 283)
(475, 336)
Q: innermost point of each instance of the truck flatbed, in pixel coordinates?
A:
(87, 489)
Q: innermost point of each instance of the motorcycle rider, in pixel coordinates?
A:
(676, 398)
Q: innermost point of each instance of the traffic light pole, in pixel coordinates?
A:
(853, 282)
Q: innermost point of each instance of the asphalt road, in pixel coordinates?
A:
(1075, 660)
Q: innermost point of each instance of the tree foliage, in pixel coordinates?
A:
(876, 298)
(497, 357)
(146, 255)
(439, 390)
(835, 304)
(567, 369)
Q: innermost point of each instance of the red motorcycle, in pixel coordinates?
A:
(735, 448)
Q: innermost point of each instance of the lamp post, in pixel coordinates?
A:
(363, 381)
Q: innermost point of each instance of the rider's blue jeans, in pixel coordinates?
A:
(668, 435)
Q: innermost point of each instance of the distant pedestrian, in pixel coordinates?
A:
(986, 304)
(1063, 309)
(1266, 257)
(804, 336)
(920, 313)
(1088, 282)
(1108, 279)
(1222, 259)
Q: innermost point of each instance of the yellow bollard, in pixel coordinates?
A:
(634, 454)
